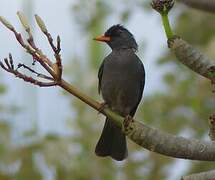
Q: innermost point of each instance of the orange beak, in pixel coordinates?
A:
(102, 38)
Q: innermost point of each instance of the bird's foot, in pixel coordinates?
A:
(103, 105)
(127, 128)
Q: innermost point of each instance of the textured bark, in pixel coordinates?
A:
(192, 58)
(205, 5)
(209, 175)
(170, 145)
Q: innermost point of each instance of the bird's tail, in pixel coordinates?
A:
(112, 142)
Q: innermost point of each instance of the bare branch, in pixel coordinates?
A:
(7, 63)
(33, 81)
(58, 58)
(10, 69)
(56, 49)
(11, 60)
(33, 71)
(35, 52)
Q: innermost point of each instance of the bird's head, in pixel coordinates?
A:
(118, 37)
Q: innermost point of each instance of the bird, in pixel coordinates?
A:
(121, 82)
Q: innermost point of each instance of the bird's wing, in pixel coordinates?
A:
(100, 76)
(142, 84)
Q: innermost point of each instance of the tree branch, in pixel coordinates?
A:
(192, 58)
(205, 5)
(209, 175)
(10, 69)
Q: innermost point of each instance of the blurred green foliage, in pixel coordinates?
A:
(183, 108)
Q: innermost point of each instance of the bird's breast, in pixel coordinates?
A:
(120, 84)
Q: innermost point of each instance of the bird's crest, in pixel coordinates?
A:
(115, 30)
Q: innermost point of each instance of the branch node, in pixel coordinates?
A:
(172, 40)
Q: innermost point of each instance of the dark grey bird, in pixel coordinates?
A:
(121, 82)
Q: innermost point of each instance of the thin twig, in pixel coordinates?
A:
(28, 78)
(10, 69)
(56, 49)
(33, 71)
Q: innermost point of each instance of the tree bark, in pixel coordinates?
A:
(192, 58)
(170, 145)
